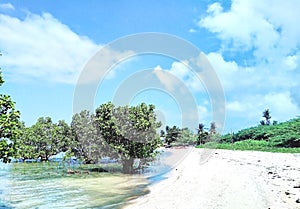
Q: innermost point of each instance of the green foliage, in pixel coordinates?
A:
(64, 136)
(254, 145)
(213, 128)
(285, 134)
(227, 138)
(5, 150)
(9, 117)
(175, 136)
(27, 144)
(202, 134)
(186, 137)
(267, 116)
(172, 134)
(44, 139)
(9, 125)
(162, 133)
(129, 131)
(1, 78)
(88, 144)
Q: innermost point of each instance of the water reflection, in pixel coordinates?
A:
(19, 189)
(48, 185)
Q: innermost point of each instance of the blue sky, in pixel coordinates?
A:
(252, 45)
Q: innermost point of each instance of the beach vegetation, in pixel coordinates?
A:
(9, 125)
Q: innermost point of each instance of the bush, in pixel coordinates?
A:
(186, 137)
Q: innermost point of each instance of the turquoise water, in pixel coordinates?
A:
(157, 170)
(21, 190)
(44, 185)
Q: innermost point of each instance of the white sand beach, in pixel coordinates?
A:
(227, 179)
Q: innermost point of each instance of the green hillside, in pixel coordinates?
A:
(286, 134)
(281, 137)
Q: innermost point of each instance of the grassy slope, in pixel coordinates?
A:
(250, 145)
(283, 137)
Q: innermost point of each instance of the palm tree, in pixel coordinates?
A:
(267, 116)
(213, 128)
(201, 133)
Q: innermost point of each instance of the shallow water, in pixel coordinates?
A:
(21, 190)
(46, 185)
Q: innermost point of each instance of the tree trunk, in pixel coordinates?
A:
(128, 165)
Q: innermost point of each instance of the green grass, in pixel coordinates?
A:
(253, 145)
(285, 134)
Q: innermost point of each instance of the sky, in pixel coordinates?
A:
(252, 46)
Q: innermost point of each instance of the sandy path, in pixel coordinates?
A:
(229, 179)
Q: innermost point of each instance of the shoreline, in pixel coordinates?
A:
(171, 157)
(227, 179)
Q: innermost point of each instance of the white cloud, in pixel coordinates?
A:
(235, 106)
(182, 72)
(164, 77)
(267, 27)
(105, 65)
(204, 114)
(250, 107)
(122, 61)
(266, 34)
(256, 88)
(260, 77)
(188, 76)
(41, 47)
(291, 62)
(215, 8)
(179, 69)
(225, 70)
(7, 6)
(192, 30)
(282, 105)
(258, 59)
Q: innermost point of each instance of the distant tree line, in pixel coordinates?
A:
(184, 136)
(126, 133)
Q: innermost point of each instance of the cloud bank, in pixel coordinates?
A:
(41, 47)
(258, 60)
